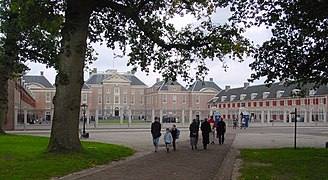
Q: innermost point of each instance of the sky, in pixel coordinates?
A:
(235, 76)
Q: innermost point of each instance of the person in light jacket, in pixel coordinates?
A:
(168, 139)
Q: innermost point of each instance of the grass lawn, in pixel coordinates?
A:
(25, 157)
(285, 163)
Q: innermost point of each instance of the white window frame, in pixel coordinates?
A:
(107, 100)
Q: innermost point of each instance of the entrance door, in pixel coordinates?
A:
(117, 111)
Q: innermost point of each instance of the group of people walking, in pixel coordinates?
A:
(207, 127)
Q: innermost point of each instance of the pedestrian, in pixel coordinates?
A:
(175, 135)
(221, 129)
(193, 128)
(213, 127)
(206, 129)
(168, 139)
(156, 132)
(235, 123)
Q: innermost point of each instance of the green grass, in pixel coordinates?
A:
(285, 163)
(115, 121)
(25, 157)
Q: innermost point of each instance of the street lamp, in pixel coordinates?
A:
(84, 108)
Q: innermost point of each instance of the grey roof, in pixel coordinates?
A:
(273, 89)
(162, 85)
(38, 79)
(98, 78)
(199, 85)
(85, 86)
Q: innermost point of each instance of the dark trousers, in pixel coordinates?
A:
(221, 138)
(173, 143)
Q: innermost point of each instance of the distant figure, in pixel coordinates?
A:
(156, 132)
(213, 127)
(168, 139)
(175, 134)
(194, 128)
(234, 123)
(206, 129)
(221, 129)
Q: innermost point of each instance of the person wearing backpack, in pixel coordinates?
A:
(175, 135)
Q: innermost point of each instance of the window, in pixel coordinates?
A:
(183, 99)
(84, 98)
(133, 91)
(125, 100)
(141, 100)
(294, 102)
(108, 91)
(141, 91)
(107, 100)
(164, 98)
(48, 96)
(174, 98)
(321, 100)
(174, 88)
(302, 102)
(321, 115)
(116, 100)
(99, 90)
(132, 100)
(99, 100)
(117, 90)
(125, 91)
(197, 99)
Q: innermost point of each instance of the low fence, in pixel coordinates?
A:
(126, 118)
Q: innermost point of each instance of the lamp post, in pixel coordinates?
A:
(84, 108)
(295, 93)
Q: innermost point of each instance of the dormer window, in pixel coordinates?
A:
(232, 97)
(312, 92)
(242, 97)
(223, 98)
(265, 95)
(253, 96)
(279, 94)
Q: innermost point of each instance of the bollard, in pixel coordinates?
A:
(326, 144)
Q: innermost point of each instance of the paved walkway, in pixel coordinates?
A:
(183, 163)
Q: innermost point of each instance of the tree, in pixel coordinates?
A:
(144, 27)
(298, 49)
(24, 41)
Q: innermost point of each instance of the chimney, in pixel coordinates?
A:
(157, 79)
(246, 84)
(211, 79)
(227, 88)
(41, 73)
(95, 70)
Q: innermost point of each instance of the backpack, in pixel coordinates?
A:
(178, 133)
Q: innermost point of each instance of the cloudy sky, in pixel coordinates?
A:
(235, 76)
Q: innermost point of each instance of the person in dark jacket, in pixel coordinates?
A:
(221, 129)
(156, 132)
(206, 129)
(175, 135)
(194, 128)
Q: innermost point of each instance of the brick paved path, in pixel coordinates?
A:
(183, 163)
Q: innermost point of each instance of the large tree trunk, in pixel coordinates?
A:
(3, 102)
(69, 80)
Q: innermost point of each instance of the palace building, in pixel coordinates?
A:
(276, 103)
